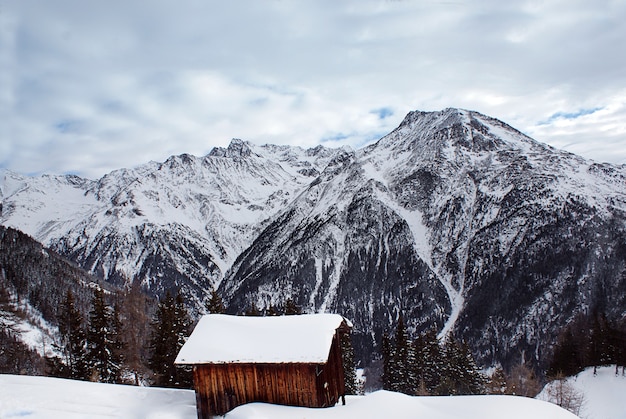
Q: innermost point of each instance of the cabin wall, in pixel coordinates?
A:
(330, 383)
(222, 387)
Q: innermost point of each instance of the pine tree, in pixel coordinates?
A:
(420, 364)
(565, 359)
(118, 346)
(430, 358)
(182, 322)
(588, 341)
(272, 310)
(103, 341)
(291, 308)
(470, 379)
(460, 375)
(387, 355)
(401, 361)
(215, 304)
(169, 331)
(450, 374)
(183, 377)
(497, 383)
(73, 342)
(347, 354)
(252, 311)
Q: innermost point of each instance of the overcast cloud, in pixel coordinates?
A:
(88, 87)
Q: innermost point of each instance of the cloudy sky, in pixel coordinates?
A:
(90, 86)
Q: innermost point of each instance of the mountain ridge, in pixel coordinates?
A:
(454, 219)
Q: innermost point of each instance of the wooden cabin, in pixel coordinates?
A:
(288, 360)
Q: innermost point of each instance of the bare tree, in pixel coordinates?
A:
(562, 393)
(522, 381)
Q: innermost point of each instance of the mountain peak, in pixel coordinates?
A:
(433, 133)
(236, 149)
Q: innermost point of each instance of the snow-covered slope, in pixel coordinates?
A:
(601, 396)
(176, 224)
(51, 398)
(455, 219)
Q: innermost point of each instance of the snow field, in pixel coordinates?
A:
(54, 398)
(604, 395)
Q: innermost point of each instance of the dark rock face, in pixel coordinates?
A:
(519, 237)
(454, 219)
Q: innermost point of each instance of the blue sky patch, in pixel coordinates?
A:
(68, 126)
(569, 115)
(335, 137)
(383, 113)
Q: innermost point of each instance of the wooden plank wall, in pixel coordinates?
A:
(222, 387)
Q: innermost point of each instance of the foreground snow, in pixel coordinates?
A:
(603, 394)
(54, 398)
(51, 398)
(385, 404)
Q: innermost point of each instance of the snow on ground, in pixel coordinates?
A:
(386, 404)
(604, 394)
(30, 327)
(55, 398)
(52, 398)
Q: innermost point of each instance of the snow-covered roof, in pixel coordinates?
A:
(220, 338)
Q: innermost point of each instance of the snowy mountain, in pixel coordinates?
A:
(34, 281)
(457, 220)
(172, 225)
(454, 219)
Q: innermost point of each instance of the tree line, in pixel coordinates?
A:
(429, 365)
(116, 342)
(15, 356)
(590, 340)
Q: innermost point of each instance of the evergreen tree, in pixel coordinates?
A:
(182, 328)
(387, 355)
(253, 310)
(497, 383)
(162, 341)
(272, 310)
(461, 375)
(291, 308)
(401, 365)
(182, 322)
(418, 365)
(347, 353)
(565, 359)
(215, 304)
(73, 342)
(430, 359)
(103, 341)
(169, 331)
(118, 346)
(587, 341)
